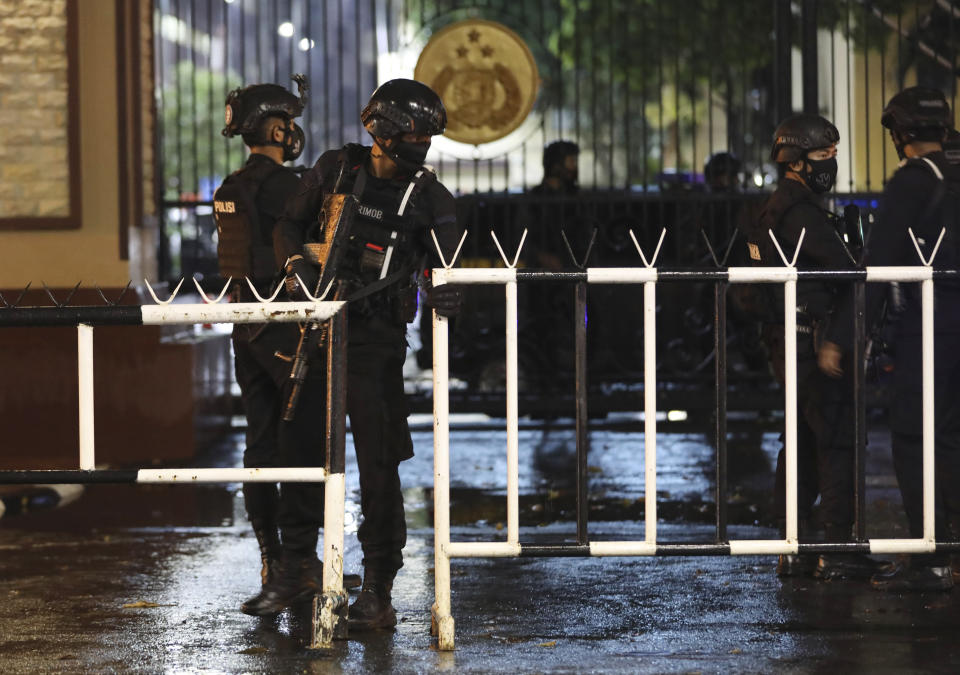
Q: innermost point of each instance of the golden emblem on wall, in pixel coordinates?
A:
(486, 76)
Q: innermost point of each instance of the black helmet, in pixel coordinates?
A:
(799, 134)
(917, 108)
(248, 106)
(402, 107)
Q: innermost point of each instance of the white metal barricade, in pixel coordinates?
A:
(330, 608)
(442, 624)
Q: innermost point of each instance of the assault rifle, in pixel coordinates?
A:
(325, 251)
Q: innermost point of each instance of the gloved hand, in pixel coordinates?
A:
(445, 299)
(298, 267)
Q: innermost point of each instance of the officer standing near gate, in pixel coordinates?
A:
(805, 150)
(246, 208)
(924, 196)
(390, 244)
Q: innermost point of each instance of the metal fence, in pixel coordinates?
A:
(653, 280)
(649, 90)
(330, 607)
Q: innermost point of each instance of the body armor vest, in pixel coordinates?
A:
(244, 244)
(383, 237)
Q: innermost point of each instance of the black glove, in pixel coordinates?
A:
(446, 299)
(298, 267)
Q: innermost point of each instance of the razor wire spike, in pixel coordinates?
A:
(311, 298)
(253, 289)
(577, 263)
(158, 300)
(796, 252)
(503, 255)
(936, 247)
(20, 297)
(456, 254)
(56, 304)
(123, 292)
(656, 253)
(713, 255)
(204, 295)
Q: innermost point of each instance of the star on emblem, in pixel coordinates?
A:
(462, 51)
(487, 51)
(474, 35)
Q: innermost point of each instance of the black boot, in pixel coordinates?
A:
(299, 578)
(915, 576)
(834, 566)
(372, 608)
(269, 542)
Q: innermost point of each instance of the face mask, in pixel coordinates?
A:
(411, 154)
(822, 174)
(293, 140)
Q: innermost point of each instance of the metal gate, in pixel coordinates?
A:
(648, 89)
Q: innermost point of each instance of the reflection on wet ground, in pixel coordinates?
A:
(149, 578)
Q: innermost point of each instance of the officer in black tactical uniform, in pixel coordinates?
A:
(923, 195)
(805, 149)
(247, 206)
(390, 244)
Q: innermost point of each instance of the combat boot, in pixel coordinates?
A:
(833, 566)
(372, 608)
(299, 578)
(269, 542)
(913, 577)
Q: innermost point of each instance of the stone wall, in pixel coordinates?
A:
(34, 160)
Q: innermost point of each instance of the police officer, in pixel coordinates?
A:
(247, 206)
(390, 244)
(922, 195)
(805, 150)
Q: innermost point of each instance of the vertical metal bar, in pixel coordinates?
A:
(513, 453)
(720, 364)
(330, 610)
(811, 95)
(781, 59)
(860, 413)
(650, 409)
(866, 93)
(929, 524)
(85, 392)
(790, 406)
(583, 439)
(442, 620)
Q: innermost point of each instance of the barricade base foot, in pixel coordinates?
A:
(441, 627)
(329, 619)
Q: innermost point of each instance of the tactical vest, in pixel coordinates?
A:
(382, 253)
(244, 245)
(941, 213)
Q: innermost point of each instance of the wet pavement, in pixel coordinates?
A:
(149, 578)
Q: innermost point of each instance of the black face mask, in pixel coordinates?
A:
(293, 140)
(410, 155)
(822, 174)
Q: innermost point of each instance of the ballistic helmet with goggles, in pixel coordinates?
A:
(401, 107)
(799, 134)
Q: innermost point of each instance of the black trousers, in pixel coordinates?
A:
(296, 508)
(378, 419)
(906, 426)
(825, 439)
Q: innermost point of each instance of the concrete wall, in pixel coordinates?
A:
(40, 238)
